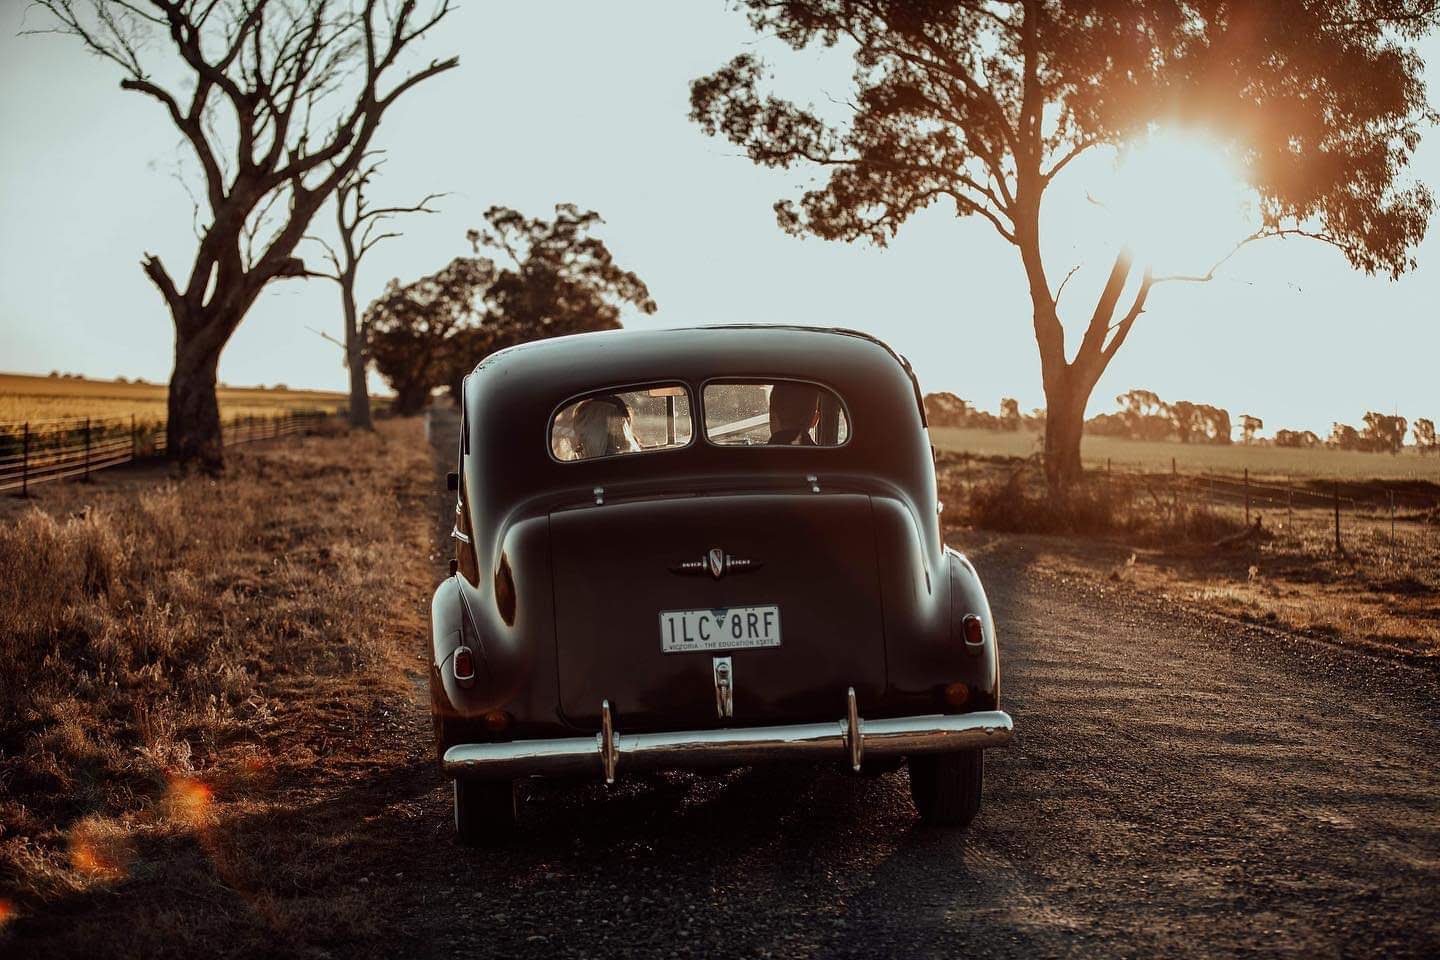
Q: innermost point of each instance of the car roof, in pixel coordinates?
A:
(588, 361)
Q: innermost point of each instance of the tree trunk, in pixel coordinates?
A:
(192, 429)
(356, 360)
(410, 396)
(1064, 423)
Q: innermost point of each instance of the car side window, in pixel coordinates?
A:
(619, 422)
(760, 413)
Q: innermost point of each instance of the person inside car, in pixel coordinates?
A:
(603, 428)
(794, 412)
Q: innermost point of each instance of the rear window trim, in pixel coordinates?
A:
(762, 378)
(623, 388)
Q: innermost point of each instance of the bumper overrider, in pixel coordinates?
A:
(609, 750)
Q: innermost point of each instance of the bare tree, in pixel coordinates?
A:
(279, 104)
(356, 224)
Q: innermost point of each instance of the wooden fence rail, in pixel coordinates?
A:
(41, 451)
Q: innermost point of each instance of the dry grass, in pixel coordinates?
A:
(24, 397)
(1378, 592)
(170, 650)
(1010, 497)
(1155, 455)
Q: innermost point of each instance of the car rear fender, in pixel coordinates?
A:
(967, 598)
(507, 621)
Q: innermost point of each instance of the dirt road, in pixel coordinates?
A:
(1181, 786)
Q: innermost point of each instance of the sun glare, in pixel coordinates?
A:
(1181, 201)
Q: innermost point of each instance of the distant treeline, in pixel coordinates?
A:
(1144, 416)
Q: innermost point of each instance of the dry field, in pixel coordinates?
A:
(24, 397)
(1184, 542)
(1154, 456)
(177, 650)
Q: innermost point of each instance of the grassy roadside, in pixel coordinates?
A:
(176, 656)
(1287, 575)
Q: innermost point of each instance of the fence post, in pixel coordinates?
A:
(1174, 492)
(25, 463)
(87, 448)
(277, 424)
(1289, 510)
(1338, 548)
(1392, 524)
(134, 440)
(1247, 496)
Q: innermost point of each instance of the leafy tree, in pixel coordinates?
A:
(1293, 438)
(555, 279)
(1217, 424)
(1145, 415)
(1425, 440)
(1344, 437)
(1009, 413)
(982, 104)
(413, 329)
(946, 410)
(1249, 426)
(299, 83)
(1185, 420)
(1384, 433)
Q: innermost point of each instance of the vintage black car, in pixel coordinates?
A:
(706, 547)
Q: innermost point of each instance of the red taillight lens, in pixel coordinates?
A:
(464, 664)
(973, 630)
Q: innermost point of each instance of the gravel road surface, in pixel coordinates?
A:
(1181, 786)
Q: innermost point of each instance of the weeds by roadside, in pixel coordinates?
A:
(1010, 500)
(161, 649)
(1160, 537)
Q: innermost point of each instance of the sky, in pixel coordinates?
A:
(587, 103)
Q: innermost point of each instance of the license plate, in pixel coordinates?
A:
(728, 628)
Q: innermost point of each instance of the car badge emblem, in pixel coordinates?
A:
(717, 563)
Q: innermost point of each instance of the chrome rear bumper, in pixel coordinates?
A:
(609, 750)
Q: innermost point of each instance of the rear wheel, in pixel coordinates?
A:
(946, 786)
(486, 811)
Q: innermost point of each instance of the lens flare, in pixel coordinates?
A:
(7, 912)
(189, 802)
(1181, 201)
(97, 852)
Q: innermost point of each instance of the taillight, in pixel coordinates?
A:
(956, 694)
(972, 628)
(463, 664)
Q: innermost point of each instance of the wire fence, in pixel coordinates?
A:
(1397, 521)
(41, 451)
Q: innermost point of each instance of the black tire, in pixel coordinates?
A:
(946, 786)
(486, 811)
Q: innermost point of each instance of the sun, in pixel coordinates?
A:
(1180, 200)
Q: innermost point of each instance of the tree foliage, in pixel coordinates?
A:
(1144, 416)
(1425, 439)
(982, 103)
(553, 278)
(1303, 439)
(1382, 433)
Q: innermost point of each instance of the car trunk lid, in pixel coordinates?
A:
(619, 566)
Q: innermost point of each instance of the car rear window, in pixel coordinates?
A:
(759, 413)
(618, 422)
